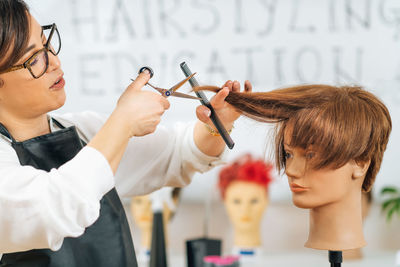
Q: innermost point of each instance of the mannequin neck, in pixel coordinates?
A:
(353, 254)
(338, 225)
(145, 241)
(249, 238)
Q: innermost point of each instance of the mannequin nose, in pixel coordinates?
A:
(295, 167)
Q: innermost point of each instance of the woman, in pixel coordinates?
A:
(58, 203)
(330, 141)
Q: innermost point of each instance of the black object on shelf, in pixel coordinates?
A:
(197, 249)
(214, 118)
(335, 258)
(158, 255)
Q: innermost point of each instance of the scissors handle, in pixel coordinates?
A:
(147, 68)
(214, 118)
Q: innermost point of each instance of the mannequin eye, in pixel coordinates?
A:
(236, 201)
(254, 201)
(287, 155)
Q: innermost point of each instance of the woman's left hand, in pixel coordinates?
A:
(226, 113)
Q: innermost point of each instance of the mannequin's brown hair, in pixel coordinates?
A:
(344, 123)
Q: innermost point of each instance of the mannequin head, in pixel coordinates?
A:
(244, 189)
(314, 187)
(340, 125)
(330, 141)
(142, 213)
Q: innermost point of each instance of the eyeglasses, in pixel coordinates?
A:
(38, 63)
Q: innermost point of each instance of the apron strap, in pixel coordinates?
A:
(5, 132)
(56, 122)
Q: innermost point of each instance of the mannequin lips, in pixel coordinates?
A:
(297, 188)
(245, 219)
(144, 218)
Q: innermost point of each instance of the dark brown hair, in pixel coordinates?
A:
(14, 31)
(344, 123)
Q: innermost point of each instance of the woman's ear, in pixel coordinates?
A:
(360, 169)
(1, 82)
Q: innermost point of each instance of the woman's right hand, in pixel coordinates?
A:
(137, 113)
(141, 111)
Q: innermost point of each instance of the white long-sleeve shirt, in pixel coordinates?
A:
(38, 209)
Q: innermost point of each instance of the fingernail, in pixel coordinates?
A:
(146, 71)
(207, 113)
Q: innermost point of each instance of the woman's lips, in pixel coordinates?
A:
(58, 85)
(297, 188)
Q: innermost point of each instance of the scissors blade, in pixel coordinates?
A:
(160, 90)
(178, 85)
(177, 94)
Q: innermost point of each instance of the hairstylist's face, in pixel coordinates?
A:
(24, 96)
(245, 203)
(315, 188)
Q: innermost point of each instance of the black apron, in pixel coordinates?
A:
(106, 243)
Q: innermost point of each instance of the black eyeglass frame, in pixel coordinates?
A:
(46, 48)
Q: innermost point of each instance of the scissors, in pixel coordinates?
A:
(172, 91)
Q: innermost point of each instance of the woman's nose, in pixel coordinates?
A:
(54, 62)
(295, 167)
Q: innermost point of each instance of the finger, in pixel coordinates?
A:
(247, 86)
(140, 81)
(218, 100)
(236, 86)
(228, 84)
(165, 103)
(203, 113)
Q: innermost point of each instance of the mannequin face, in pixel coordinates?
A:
(143, 214)
(245, 203)
(313, 188)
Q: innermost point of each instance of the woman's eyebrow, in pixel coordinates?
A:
(29, 48)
